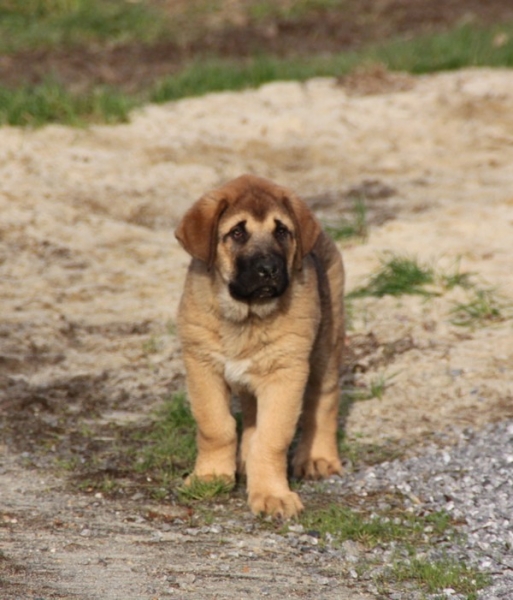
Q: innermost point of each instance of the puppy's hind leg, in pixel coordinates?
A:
(317, 454)
(249, 420)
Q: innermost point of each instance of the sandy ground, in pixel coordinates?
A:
(91, 273)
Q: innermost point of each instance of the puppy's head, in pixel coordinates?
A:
(253, 232)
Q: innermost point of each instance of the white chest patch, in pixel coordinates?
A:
(235, 371)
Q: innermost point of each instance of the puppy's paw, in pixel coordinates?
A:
(317, 468)
(282, 506)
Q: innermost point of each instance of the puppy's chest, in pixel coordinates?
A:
(245, 357)
(238, 372)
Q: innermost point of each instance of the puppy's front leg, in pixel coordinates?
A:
(216, 435)
(279, 407)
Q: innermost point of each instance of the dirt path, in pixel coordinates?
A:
(63, 546)
(91, 276)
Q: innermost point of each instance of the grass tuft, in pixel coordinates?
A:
(360, 455)
(200, 489)
(343, 524)
(378, 385)
(457, 278)
(398, 275)
(351, 228)
(436, 576)
(169, 446)
(375, 389)
(482, 308)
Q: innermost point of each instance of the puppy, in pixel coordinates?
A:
(262, 318)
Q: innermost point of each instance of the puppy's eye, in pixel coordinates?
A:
(281, 232)
(238, 233)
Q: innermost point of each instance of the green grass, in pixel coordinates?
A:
(361, 455)
(464, 46)
(50, 102)
(435, 576)
(170, 444)
(456, 277)
(199, 489)
(412, 536)
(397, 275)
(61, 23)
(150, 457)
(265, 9)
(461, 47)
(35, 24)
(482, 308)
(355, 227)
(375, 389)
(217, 75)
(104, 485)
(342, 523)
(151, 345)
(378, 385)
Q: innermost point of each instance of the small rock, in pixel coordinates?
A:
(351, 551)
(192, 531)
(186, 579)
(296, 528)
(308, 539)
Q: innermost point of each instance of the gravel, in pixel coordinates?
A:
(473, 482)
(235, 556)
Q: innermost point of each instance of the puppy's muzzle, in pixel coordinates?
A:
(260, 276)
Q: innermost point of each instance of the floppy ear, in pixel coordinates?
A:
(306, 225)
(197, 231)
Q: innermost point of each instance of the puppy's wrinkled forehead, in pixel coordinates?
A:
(257, 203)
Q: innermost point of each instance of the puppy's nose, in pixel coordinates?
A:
(267, 267)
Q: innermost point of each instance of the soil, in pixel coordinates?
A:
(90, 280)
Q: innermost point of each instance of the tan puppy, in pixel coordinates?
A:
(261, 317)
